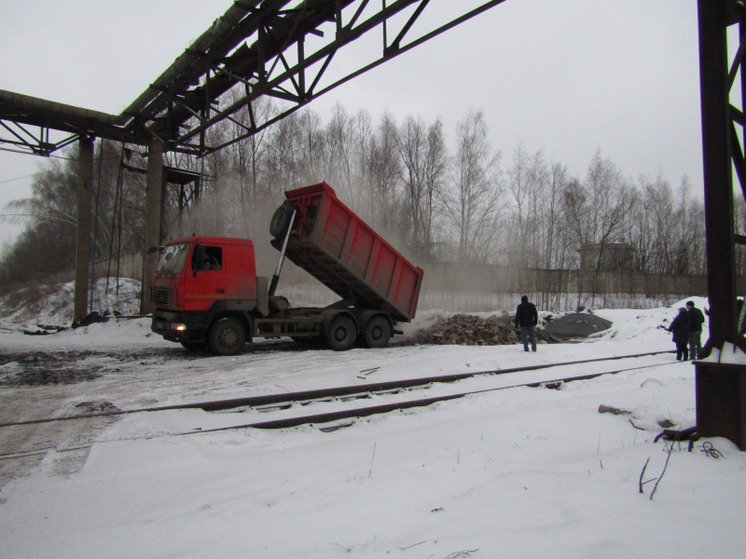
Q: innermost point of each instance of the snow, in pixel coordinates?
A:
(515, 472)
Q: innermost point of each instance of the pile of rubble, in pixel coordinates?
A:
(463, 329)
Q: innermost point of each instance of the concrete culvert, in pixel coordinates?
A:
(576, 325)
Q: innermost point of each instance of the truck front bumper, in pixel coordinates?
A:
(179, 327)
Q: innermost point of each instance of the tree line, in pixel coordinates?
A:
(435, 198)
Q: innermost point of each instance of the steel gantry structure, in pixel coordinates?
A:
(258, 48)
(269, 48)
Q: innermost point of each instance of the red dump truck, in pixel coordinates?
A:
(206, 292)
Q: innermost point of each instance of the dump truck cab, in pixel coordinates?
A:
(199, 279)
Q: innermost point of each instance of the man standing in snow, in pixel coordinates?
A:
(526, 318)
(696, 318)
(680, 328)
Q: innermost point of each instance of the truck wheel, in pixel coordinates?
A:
(227, 336)
(377, 332)
(341, 333)
(280, 221)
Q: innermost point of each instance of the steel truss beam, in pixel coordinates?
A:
(36, 140)
(41, 127)
(299, 82)
(277, 64)
(258, 48)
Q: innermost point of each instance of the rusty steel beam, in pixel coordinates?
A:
(721, 401)
(276, 32)
(716, 154)
(26, 124)
(721, 386)
(264, 68)
(305, 95)
(258, 46)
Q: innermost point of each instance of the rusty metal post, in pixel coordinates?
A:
(721, 401)
(83, 239)
(720, 388)
(153, 220)
(716, 123)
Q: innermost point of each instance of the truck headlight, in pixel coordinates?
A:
(179, 327)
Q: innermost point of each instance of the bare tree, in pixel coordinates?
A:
(413, 152)
(555, 245)
(474, 203)
(313, 148)
(363, 134)
(528, 182)
(340, 137)
(47, 245)
(437, 162)
(600, 209)
(384, 172)
(574, 208)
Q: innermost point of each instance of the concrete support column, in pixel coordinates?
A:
(153, 219)
(83, 242)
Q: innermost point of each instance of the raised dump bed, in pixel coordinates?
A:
(330, 242)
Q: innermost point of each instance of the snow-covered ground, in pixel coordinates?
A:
(524, 472)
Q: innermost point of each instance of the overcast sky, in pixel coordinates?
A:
(564, 76)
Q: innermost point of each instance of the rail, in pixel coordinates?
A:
(396, 395)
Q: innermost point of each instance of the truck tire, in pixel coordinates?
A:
(341, 333)
(280, 221)
(227, 336)
(377, 332)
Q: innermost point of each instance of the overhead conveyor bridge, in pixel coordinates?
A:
(270, 48)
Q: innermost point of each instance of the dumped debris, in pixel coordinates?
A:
(463, 329)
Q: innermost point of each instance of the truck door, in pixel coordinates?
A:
(205, 282)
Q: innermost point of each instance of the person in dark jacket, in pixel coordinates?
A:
(526, 318)
(680, 329)
(696, 319)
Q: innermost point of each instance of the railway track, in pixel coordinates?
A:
(337, 407)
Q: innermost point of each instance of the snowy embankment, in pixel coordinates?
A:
(525, 472)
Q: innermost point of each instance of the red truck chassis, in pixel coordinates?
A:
(207, 294)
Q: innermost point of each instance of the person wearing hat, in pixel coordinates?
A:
(526, 318)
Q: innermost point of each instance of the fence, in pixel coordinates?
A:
(503, 279)
(467, 287)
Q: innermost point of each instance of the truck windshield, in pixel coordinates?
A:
(172, 261)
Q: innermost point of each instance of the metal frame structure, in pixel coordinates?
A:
(258, 48)
(722, 127)
(41, 127)
(720, 384)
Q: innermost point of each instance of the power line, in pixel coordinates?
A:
(15, 179)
